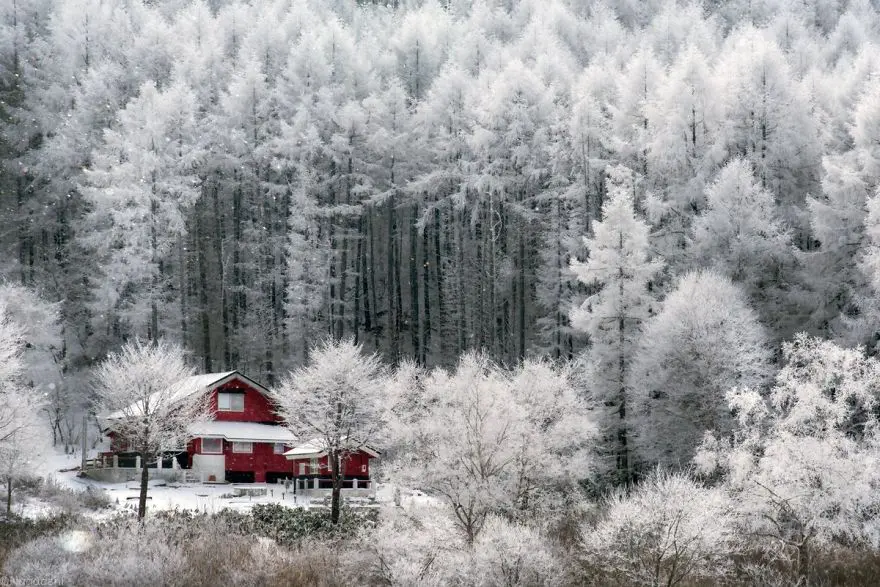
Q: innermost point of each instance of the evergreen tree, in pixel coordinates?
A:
(620, 260)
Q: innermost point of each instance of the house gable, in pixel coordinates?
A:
(253, 406)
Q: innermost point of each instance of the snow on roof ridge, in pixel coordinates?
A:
(318, 446)
(243, 431)
(179, 390)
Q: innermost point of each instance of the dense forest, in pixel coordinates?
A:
(245, 178)
(602, 278)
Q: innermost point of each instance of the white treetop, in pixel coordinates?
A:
(619, 260)
(146, 395)
(704, 341)
(738, 230)
(803, 462)
(669, 530)
(335, 399)
(488, 441)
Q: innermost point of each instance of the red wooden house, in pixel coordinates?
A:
(244, 442)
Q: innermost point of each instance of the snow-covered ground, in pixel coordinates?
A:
(209, 498)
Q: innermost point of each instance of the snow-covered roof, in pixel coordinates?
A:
(316, 448)
(181, 390)
(242, 431)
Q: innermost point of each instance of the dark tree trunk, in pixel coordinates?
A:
(336, 501)
(219, 231)
(203, 295)
(415, 312)
(426, 290)
(145, 483)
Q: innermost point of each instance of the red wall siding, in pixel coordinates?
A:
(257, 408)
(261, 461)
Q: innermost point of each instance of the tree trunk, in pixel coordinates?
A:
(426, 291)
(623, 465)
(415, 318)
(8, 496)
(803, 562)
(203, 294)
(442, 319)
(223, 289)
(145, 482)
(336, 503)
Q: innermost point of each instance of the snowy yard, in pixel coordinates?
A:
(203, 497)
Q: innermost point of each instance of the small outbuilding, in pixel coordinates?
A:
(311, 467)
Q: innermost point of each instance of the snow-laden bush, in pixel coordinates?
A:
(514, 555)
(488, 441)
(667, 530)
(289, 525)
(125, 554)
(422, 546)
(802, 463)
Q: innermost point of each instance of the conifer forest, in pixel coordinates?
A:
(623, 253)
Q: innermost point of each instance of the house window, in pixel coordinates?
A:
(279, 448)
(230, 402)
(314, 467)
(303, 469)
(212, 446)
(242, 447)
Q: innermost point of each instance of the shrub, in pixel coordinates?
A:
(514, 555)
(17, 532)
(422, 546)
(122, 553)
(289, 526)
(669, 530)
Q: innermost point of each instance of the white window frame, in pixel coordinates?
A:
(279, 448)
(208, 452)
(238, 448)
(230, 406)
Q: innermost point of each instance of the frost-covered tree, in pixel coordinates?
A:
(23, 438)
(422, 545)
(668, 530)
(516, 555)
(741, 236)
(43, 357)
(147, 399)
(619, 260)
(630, 124)
(766, 118)
(486, 442)
(704, 341)
(683, 118)
(11, 346)
(416, 546)
(335, 399)
(22, 432)
(140, 187)
(869, 266)
(801, 463)
(836, 218)
(842, 270)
